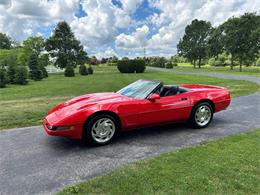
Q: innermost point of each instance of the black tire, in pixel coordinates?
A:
(88, 136)
(195, 121)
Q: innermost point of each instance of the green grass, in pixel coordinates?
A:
(249, 71)
(225, 166)
(27, 105)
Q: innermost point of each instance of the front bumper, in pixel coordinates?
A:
(75, 133)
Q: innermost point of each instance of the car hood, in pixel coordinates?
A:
(81, 102)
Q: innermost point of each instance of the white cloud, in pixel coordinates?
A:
(22, 18)
(136, 40)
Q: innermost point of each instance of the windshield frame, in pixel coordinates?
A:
(157, 84)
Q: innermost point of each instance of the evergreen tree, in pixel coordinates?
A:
(21, 75)
(3, 78)
(11, 73)
(65, 48)
(35, 71)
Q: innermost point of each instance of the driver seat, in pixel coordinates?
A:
(172, 91)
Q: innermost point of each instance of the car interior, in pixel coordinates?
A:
(170, 90)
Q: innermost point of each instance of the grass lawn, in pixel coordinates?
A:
(226, 166)
(27, 105)
(250, 71)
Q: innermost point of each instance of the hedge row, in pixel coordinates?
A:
(131, 66)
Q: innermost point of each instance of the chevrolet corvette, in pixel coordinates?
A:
(99, 117)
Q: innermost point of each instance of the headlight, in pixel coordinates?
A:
(60, 128)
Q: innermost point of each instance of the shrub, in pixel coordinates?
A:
(139, 65)
(90, 70)
(3, 78)
(258, 62)
(83, 70)
(131, 66)
(168, 65)
(44, 72)
(11, 73)
(125, 66)
(211, 61)
(69, 71)
(21, 75)
(218, 63)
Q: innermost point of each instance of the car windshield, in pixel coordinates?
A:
(139, 89)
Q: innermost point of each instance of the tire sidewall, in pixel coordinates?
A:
(193, 120)
(87, 135)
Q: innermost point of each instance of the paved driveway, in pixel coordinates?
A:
(219, 75)
(33, 163)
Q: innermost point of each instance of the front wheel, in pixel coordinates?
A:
(202, 115)
(101, 129)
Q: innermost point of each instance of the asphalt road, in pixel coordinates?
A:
(219, 75)
(34, 163)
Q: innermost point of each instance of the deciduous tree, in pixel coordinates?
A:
(194, 45)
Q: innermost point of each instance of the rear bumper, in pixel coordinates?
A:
(222, 105)
(76, 133)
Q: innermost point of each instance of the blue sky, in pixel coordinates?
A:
(117, 27)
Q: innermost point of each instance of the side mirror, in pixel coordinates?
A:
(153, 97)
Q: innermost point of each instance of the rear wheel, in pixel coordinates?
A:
(101, 129)
(202, 115)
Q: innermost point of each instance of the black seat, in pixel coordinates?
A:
(172, 91)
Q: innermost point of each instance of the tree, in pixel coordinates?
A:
(5, 41)
(113, 59)
(31, 45)
(193, 45)
(43, 61)
(242, 37)
(94, 60)
(3, 78)
(11, 70)
(21, 75)
(35, 72)
(215, 42)
(64, 47)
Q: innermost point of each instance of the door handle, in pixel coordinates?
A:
(184, 98)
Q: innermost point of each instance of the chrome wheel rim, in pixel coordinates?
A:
(103, 130)
(203, 115)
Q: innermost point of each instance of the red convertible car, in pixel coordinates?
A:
(98, 117)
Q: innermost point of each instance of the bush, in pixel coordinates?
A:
(44, 72)
(3, 78)
(258, 62)
(211, 61)
(131, 66)
(83, 70)
(11, 73)
(168, 65)
(90, 70)
(21, 75)
(69, 71)
(139, 65)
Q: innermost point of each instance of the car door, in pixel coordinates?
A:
(165, 110)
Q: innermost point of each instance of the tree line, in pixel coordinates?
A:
(18, 63)
(238, 37)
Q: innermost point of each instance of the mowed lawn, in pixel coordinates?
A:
(225, 166)
(248, 71)
(27, 105)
